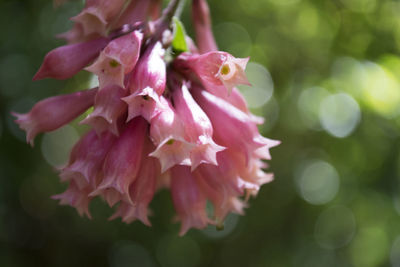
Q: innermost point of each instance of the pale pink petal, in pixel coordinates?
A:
(173, 151)
(145, 103)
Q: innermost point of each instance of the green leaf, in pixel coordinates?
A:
(179, 44)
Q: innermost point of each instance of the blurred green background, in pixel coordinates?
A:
(326, 77)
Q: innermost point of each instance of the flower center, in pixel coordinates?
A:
(170, 141)
(225, 69)
(113, 63)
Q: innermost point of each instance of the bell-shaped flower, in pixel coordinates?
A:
(75, 35)
(122, 163)
(221, 188)
(86, 160)
(77, 198)
(216, 68)
(197, 127)
(142, 190)
(97, 15)
(135, 11)
(66, 61)
(168, 134)
(202, 26)
(147, 83)
(117, 59)
(188, 199)
(108, 108)
(53, 112)
(226, 120)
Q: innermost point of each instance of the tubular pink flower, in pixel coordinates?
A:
(226, 119)
(75, 35)
(108, 108)
(66, 61)
(137, 10)
(118, 58)
(189, 201)
(167, 133)
(86, 160)
(54, 112)
(222, 188)
(150, 70)
(216, 68)
(122, 163)
(202, 26)
(97, 14)
(147, 84)
(175, 122)
(141, 191)
(77, 198)
(198, 128)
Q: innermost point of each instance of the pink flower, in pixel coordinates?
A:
(167, 133)
(216, 69)
(54, 112)
(97, 14)
(122, 163)
(142, 189)
(197, 127)
(226, 119)
(118, 58)
(159, 120)
(189, 201)
(108, 109)
(147, 83)
(86, 160)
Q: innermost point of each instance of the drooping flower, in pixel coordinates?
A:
(54, 112)
(161, 117)
(66, 61)
(118, 58)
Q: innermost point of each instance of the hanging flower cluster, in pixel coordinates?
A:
(166, 114)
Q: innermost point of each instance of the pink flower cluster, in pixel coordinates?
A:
(178, 123)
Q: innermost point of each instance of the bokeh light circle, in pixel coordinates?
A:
(335, 227)
(128, 253)
(262, 85)
(339, 114)
(318, 182)
(175, 251)
(57, 145)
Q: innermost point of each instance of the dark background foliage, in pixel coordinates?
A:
(327, 80)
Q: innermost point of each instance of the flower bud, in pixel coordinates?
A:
(54, 112)
(66, 61)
